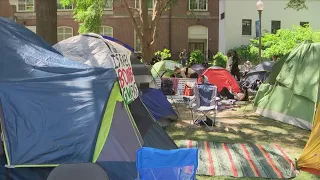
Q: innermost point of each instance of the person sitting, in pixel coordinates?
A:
(194, 75)
(186, 72)
(242, 96)
(177, 72)
(201, 79)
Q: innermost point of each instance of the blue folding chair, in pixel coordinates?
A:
(157, 164)
(205, 101)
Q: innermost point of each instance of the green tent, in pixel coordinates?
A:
(291, 92)
(164, 67)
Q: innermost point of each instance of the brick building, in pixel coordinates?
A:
(191, 24)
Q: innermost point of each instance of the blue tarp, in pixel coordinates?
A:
(158, 104)
(52, 106)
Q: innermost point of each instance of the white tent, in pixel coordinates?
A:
(92, 49)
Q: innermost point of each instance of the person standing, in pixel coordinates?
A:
(229, 61)
(235, 71)
(183, 57)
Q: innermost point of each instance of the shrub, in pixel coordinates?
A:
(196, 57)
(284, 40)
(220, 60)
(247, 53)
(163, 55)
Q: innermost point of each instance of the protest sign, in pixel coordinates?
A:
(123, 68)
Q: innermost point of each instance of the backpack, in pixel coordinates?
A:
(167, 87)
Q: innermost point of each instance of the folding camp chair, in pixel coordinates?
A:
(157, 164)
(204, 101)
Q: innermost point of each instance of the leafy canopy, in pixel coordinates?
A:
(284, 40)
(88, 13)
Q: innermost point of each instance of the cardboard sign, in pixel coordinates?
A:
(123, 68)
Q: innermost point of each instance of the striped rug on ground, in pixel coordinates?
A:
(242, 160)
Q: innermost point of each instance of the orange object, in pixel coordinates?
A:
(188, 91)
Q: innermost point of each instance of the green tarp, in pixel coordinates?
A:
(291, 91)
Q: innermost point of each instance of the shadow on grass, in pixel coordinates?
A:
(243, 126)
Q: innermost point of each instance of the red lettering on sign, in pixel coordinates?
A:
(121, 78)
(129, 75)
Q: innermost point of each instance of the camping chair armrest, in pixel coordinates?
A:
(192, 101)
(189, 100)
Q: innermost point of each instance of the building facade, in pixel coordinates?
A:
(239, 20)
(190, 24)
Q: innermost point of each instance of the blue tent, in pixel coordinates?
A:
(54, 110)
(159, 106)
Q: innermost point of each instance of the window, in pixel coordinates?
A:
(106, 31)
(303, 24)
(137, 42)
(26, 5)
(246, 26)
(108, 5)
(275, 26)
(60, 7)
(64, 32)
(198, 5)
(150, 4)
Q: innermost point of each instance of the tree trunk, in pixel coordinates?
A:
(147, 52)
(46, 20)
(148, 45)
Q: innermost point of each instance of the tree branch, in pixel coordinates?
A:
(134, 22)
(166, 5)
(134, 9)
(159, 7)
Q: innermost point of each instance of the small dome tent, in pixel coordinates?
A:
(55, 111)
(260, 72)
(291, 92)
(221, 78)
(94, 50)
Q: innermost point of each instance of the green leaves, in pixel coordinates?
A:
(220, 60)
(196, 57)
(65, 3)
(248, 53)
(88, 13)
(285, 40)
(164, 55)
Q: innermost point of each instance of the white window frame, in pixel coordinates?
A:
(207, 3)
(108, 9)
(135, 41)
(64, 8)
(68, 27)
(25, 3)
(136, 5)
(110, 27)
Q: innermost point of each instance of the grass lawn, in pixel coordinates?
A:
(241, 125)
